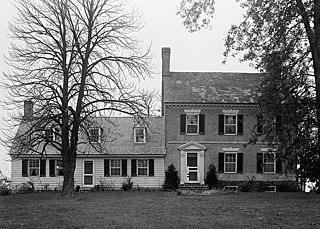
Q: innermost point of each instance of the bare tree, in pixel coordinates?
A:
(73, 60)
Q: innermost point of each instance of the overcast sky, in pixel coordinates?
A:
(201, 51)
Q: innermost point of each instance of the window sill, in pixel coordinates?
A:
(230, 172)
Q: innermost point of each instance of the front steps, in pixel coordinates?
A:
(193, 187)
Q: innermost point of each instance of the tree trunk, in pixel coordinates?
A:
(68, 172)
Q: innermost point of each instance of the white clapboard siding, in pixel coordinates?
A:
(39, 182)
(113, 182)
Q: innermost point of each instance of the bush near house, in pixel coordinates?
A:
(172, 180)
(260, 186)
(211, 179)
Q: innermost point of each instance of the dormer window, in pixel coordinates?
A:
(139, 134)
(95, 135)
(49, 134)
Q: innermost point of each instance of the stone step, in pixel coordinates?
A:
(193, 187)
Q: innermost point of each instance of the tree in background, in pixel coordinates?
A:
(71, 60)
(282, 40)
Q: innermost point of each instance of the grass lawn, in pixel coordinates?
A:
(160, 210)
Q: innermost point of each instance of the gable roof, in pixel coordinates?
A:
(211, 87)
(117, 138)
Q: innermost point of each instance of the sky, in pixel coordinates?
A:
(195, 52)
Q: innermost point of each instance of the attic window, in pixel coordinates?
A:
(95, 134)
(139, 134)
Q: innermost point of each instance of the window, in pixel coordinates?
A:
(139, 135)
(230, 162)
(59, 168)
(142, 167)
(269, 162)
(55, 167)
(88, 173)
(49, 135)
(115, 167)
(34, 167)
(192, 124)
(94, 135)
(230, 124)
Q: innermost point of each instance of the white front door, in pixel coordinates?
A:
(192, 168)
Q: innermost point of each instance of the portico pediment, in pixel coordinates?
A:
(192, 146)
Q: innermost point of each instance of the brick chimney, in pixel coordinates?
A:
(165, 73)
(28, 109)
(166, 61)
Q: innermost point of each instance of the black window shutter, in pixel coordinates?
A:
(24, 168)
(240, 124)
(124, 167)
(221, 124)
(106, 167)
(43, 168)
(201, 124)
(52, 168)
(133, 167)
(259, 124)
(151, 167)
(278, 164)
(221, 163)
(240, 163)
(183, 124)
(259, 162)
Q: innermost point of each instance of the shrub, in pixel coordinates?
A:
(26, 187)
(127, 184)
(211, 179)
(5, 188)
(171, 178)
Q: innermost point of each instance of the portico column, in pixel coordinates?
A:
(201, 167)
(183, 171)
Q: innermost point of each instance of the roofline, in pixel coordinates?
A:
(253, 73)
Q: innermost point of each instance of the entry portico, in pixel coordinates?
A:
(192, 162)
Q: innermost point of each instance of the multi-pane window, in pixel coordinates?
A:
(269, 162)
(192, 123)
(230, 124)
(59, 168)
(142, 167)
(115, 167)
(34, 167)
(49, 134)
(139, 135)
(230, 162)
(94, 134)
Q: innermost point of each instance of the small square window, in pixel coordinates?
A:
(49, 134)
(139, 135)
(94, 135)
